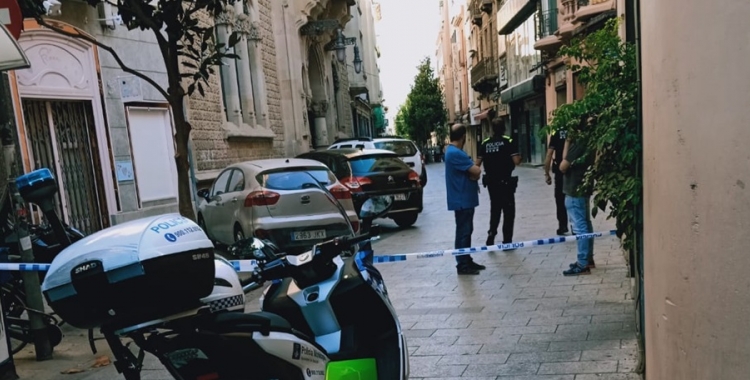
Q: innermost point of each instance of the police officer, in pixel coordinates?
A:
(555, 144)
(500, 156)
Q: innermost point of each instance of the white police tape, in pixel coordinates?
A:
(245, 266)
(491, 248)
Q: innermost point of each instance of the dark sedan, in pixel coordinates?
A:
(369, 172)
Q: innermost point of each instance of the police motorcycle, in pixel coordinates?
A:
(156, 282)
(336, 300)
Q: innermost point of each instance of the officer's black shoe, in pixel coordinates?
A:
(490, 240)
(562, 232)
(477, 266)
(467, 270)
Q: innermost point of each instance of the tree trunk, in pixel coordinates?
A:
(182, 137)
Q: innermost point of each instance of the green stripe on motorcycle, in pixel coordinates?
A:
(356, 369)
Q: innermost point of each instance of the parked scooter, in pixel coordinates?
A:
(156, 281)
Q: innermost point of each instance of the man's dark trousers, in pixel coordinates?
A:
(562, 213)
(502, 201)
(464, 228)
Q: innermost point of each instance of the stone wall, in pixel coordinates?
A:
(211, 150)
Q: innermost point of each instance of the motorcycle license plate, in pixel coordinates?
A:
(399, 197)
(309, 235)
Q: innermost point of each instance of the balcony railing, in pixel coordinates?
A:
(583, 3)
(483, 72)
(546, 23)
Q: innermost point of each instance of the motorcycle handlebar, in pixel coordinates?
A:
(279, 268)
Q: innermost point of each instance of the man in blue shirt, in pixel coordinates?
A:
(462, 190)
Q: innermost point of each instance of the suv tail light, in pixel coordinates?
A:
(355, 183)
(261, 198)
(414, 177)
(340, 192)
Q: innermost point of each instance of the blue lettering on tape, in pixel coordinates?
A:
(430, 255)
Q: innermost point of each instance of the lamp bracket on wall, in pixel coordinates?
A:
(318, 27)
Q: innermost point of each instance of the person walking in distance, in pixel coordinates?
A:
(555, 146)
(499, 155)
(576, 160)
(462, 189)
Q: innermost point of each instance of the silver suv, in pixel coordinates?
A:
(406, 150)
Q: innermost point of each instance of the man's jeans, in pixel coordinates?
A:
(579, 215)
(464, 229)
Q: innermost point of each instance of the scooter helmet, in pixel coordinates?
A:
(227, 293)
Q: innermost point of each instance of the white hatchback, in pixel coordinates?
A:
(406, 150)
(274, 199)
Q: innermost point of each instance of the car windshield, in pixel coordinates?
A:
(376, 164)
(294, 178)
(403, 148)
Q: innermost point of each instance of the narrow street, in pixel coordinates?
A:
(519, 319)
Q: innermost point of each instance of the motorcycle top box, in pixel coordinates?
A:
(132, 273)
(37, 185)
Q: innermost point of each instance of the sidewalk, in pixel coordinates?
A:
(518, 320)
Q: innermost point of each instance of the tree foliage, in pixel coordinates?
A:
(605, 120)
(424, 111)
(187, 48)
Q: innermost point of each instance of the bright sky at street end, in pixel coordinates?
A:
(407, 33)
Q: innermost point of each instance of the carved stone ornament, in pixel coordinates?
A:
(227, 17)
(243, 24)
(54, 67)
(319, 108)
(318, 27)
(254, 33)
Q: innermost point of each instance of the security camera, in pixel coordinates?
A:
(53, 7)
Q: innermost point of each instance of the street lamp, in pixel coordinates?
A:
(357, 60)
(339, 44)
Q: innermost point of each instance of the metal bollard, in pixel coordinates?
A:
(34, 300)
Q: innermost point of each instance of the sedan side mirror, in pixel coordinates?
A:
(203, 193)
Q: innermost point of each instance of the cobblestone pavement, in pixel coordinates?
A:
(518, 320)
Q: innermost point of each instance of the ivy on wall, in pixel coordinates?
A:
(605, 120)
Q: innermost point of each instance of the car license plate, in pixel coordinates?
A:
(399, 197)
(309, 235)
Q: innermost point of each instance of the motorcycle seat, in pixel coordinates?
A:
(261, 321)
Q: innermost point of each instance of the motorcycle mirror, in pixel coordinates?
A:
(376, 207)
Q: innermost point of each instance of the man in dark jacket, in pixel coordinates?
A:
(555, 146)
(500, 156)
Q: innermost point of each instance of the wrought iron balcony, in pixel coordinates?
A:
(546, 23)
(484, 75)
(487, 6)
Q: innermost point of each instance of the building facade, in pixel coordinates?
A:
(523, 70)
(313, 79)
(452, 58)
(108, 137)
(365, 86)
(558, 22)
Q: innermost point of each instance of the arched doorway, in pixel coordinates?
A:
(63, 125)
(318, 108)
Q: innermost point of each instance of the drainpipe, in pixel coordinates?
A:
(285, 5)
(191, 162)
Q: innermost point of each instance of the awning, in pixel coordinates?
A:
(525, 89)
(589, 11)
(13, 58)
(548, 42)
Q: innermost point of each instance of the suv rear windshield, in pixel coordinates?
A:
(403, 148)
(376, 164)
(294, 178)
